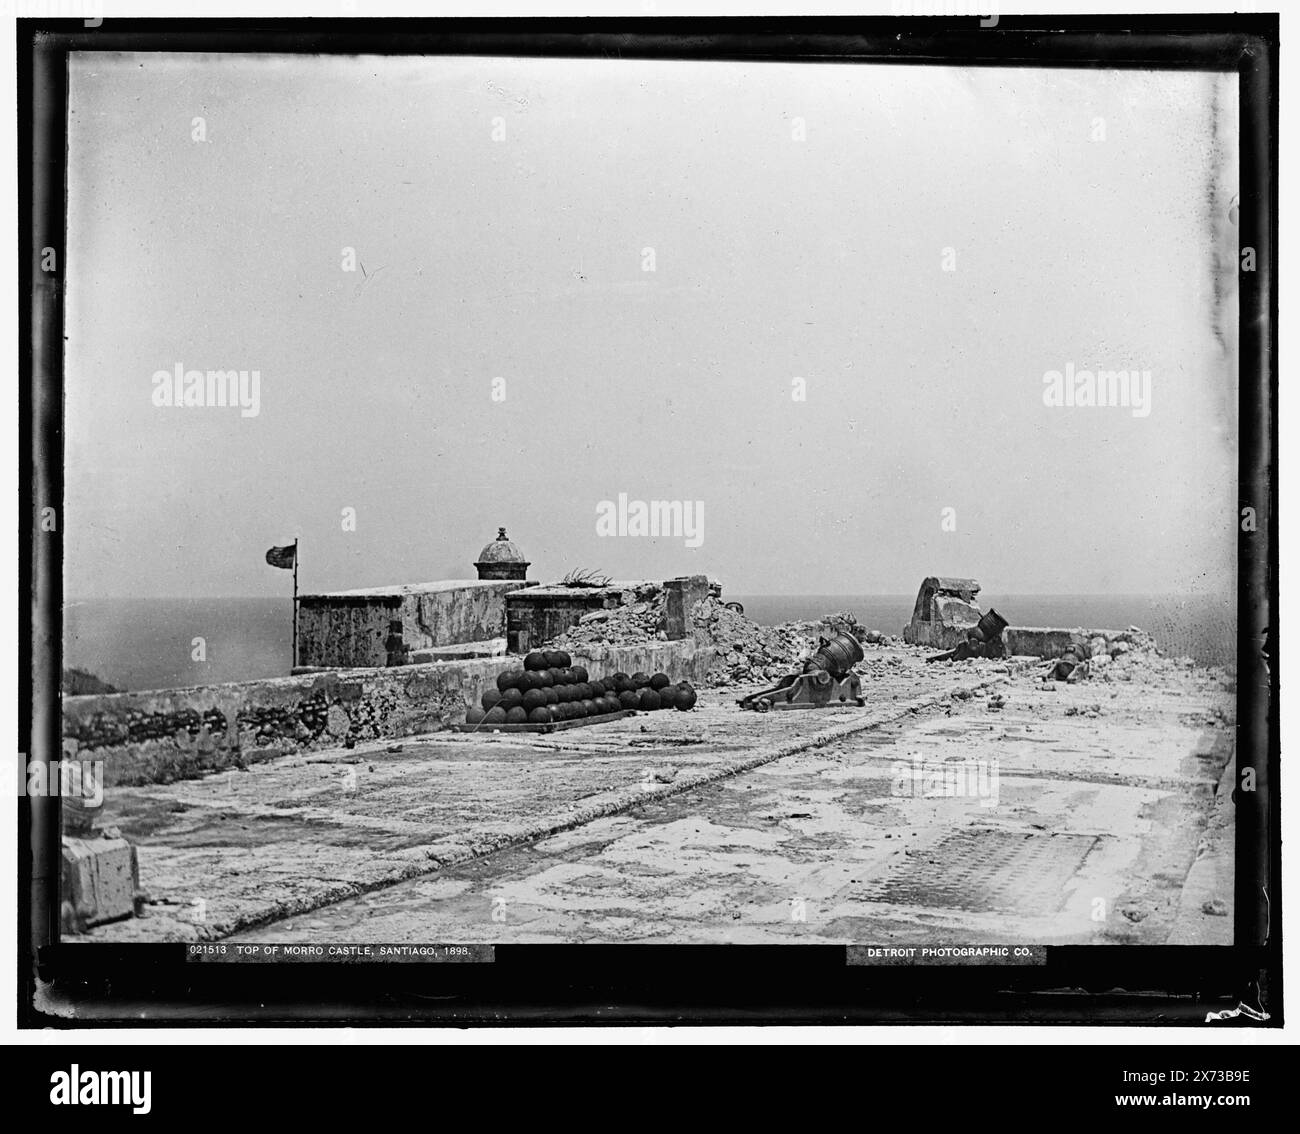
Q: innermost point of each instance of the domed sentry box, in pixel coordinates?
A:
(501, 559)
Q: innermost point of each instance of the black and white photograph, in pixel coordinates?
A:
(656, 497)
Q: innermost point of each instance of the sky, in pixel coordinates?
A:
(920, 245)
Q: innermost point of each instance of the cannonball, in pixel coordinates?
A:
(579, 674)
(553, 659)
(597, 689)
(584, 691)
(510, 698)
(611, 703)
(558, 712)
(621, 681)
(490, 698)
(660, 681)
(517, 715)
(540, 715)
(685, 698)
(628, 699)
(649, 700)
(534, 699)
(668, 697)
(535, 661)
(545, 678)
(509, 678)
(475, 715)
(589, 707)
(495, 715)
(552, 697)
(640, 680)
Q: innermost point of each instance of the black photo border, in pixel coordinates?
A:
(90, 985)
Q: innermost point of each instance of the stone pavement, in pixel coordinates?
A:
(1064, 814)
(287, 836)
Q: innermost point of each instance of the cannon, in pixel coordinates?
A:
(1070, 666)
(983, 640)
(827, 679)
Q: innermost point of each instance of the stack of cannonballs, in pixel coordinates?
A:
(550, 688)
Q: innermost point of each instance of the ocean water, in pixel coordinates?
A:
(150, 643)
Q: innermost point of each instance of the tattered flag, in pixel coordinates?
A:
(282, 556)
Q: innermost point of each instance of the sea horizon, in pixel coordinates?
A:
(137, 644)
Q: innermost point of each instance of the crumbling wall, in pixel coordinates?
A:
(945, 609)
(951, 618)
(166, 735)
(1052, 642)
(352, 628)
(182, 733)
(470, 612)
(345, 632)
(542, 614)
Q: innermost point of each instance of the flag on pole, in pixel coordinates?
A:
(282, 556)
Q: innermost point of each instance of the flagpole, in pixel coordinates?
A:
(295, 602)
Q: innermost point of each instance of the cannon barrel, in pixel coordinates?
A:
(983, 640)
(836, 656)
(991, 625)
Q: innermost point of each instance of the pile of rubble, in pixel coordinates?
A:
(640, 619)
(1135, 656)
(748, 652)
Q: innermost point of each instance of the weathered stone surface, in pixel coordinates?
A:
(626, 846)
(159, 737)
(541, 614)
(307, 829)
(1052, 642)
(99, 883)
(945, 609)
(356, 628)
(680, 597)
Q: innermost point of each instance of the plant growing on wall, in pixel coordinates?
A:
(585, 578)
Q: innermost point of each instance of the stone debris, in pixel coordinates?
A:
(747, 652)
(639, 618)
(1135, 656)
(750, 653)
